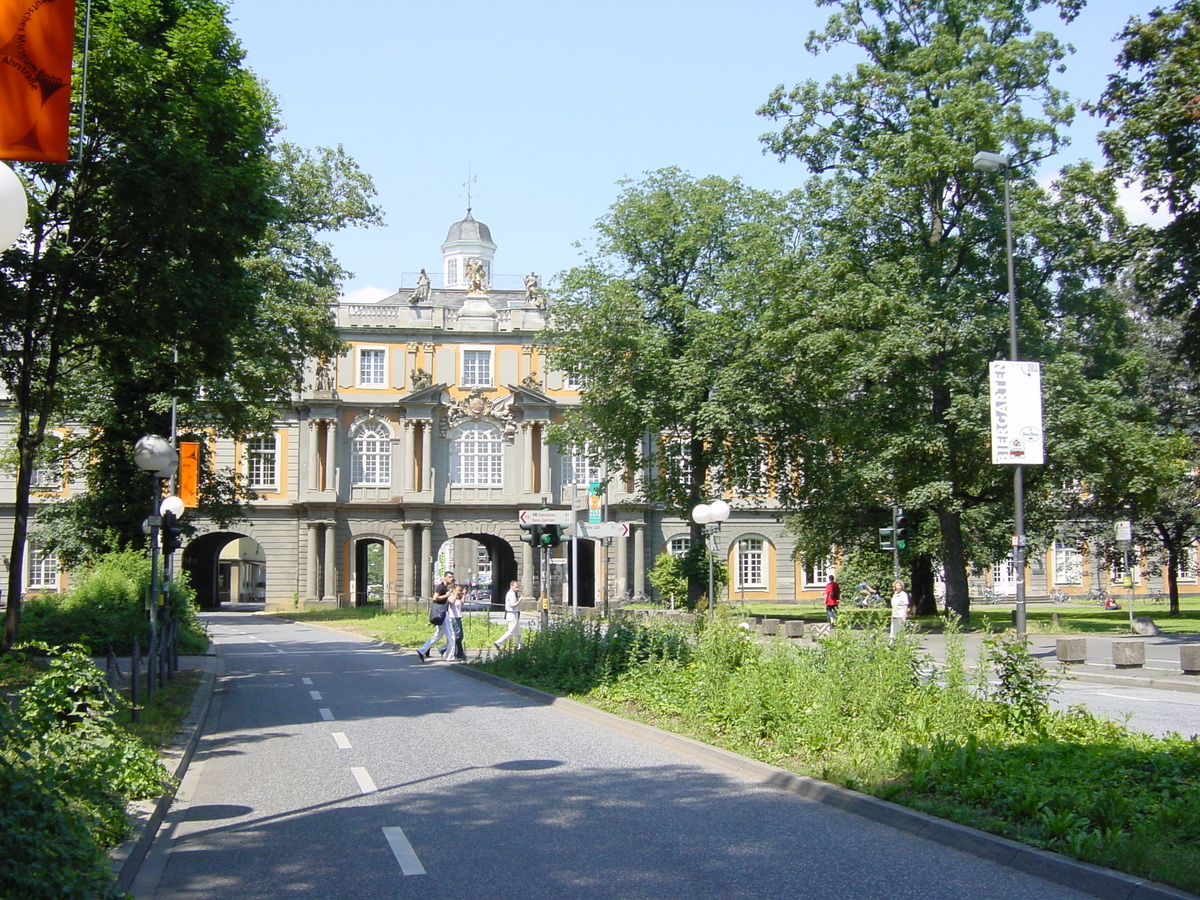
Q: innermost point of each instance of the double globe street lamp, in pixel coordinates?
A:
(157, 457)
(710, 516)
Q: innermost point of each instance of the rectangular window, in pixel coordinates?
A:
(43, 569)
(1187, 564)
(372, 366)
(452, 271)
(477, 368)
(679, 546)
(818, 574)
(750, 569)
(576, 469)
(1068, 564)
(261, 457)
(1004, 578)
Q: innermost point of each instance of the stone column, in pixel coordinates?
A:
(407, 566)
(330, 592)
(639, 558)
(312, 590)
(621, 564)
(330, 455)
(423, 563)
(425, 475)
(527, 574)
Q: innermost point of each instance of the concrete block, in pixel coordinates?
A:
(1128, 654)
(1189, 659)
(1144, 625)
(792, 629)
(818, 630)
(770, 626)
(687, 618)
(1071, 650)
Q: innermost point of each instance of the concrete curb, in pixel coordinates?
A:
(128, 857)
(1103, 883)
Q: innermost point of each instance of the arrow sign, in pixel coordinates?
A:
(545, 516)
(594, 530)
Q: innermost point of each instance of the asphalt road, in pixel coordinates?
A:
(332, 767)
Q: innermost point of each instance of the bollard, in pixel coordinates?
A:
(1189, 659)
(1071, 650)
(1128, 654)
(770, 626)
(793, 629)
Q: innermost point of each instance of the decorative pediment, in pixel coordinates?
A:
(477, 406)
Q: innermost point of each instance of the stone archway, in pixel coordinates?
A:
(218, 576)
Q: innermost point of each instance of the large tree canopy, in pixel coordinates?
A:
(182, 231)
(656, 322)
(879, 351)
(1153, 106)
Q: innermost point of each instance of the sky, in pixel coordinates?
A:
(532, 111)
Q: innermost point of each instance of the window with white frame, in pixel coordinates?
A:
(261, 462)
(576, 469)
(42, 571)
(818, 574)
(372, 367)
(1187, 563)
(452, 271)
(677, 459)
(679, 546)
(572, 381)
(751, 570)
(477, 368)
(1004, 577)
(477, 456)
(1068, 563)
(372, 454)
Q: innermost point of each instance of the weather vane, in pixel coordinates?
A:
(471, 179)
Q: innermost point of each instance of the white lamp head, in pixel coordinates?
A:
(987, 161)
(171, 505)
(14, 207)
(702, 514)
(718, 511)
(153, 453)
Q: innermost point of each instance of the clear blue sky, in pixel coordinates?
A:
(548, 103)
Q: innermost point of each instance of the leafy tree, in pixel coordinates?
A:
(879, 351)
(181, 232)
(654, 324)
(1153, 104)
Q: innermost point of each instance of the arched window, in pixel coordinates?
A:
(372, 453)
(478, 456)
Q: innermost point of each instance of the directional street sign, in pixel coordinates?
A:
(545, 516)
(594, 530)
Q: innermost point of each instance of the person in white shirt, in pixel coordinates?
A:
(899, 607)
(512, 614)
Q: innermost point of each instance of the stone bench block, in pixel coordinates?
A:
(792, 629)
(1071, 650)
(818, 630)
(1128, 654)
(770, 626)
(1189, 659)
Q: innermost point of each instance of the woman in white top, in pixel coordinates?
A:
(512, 614)
(899, 607)
(454, 648)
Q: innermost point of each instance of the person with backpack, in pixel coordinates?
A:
(438, 617)
(833, 596)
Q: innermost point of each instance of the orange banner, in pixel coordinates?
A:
(189, 473)
(36, 44)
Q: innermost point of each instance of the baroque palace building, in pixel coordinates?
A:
(418, 448)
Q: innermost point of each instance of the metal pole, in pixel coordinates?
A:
(152, 662)
(710, 533)
(1018, 471)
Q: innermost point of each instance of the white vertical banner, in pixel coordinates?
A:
(1017, 437)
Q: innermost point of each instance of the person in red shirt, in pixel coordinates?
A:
(833, 595)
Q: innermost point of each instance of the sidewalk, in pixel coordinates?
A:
(1161, 671)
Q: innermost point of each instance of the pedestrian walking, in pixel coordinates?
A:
(512, 614)
(833, 596)
(441, 629)
(899, 607)
(454, 650)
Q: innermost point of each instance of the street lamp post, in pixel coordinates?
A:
(156, 456)
(710, 516)
(987, 161)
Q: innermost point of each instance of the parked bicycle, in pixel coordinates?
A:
(1157, 598)
(1059, 596)
(1098, 595)
(991, 595)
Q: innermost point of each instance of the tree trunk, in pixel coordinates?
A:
(958, 598)
(922, 585)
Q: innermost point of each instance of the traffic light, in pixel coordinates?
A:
(172, 533)
(532, 535)
(551, 536)
(887, 539)
(899, 527)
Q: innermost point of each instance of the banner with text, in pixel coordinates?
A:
(1017, 437)
(37, 40)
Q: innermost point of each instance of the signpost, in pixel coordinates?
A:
(597, 530)
(545, 516)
